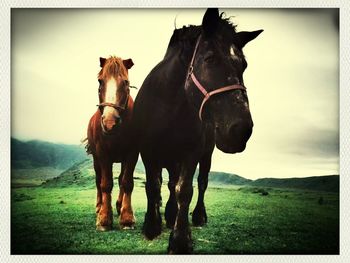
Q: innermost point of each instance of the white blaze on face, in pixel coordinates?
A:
(110, 96)
(111, 91)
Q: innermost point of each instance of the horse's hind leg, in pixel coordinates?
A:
(171, 205)
(98, 185)
(152, 226)
(127, 219)
(121, 190)
(199, 215)
(105, 216)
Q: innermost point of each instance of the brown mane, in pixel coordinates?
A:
(113, 67)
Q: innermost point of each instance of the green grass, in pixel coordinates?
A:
(61, 220)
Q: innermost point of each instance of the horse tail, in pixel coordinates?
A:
(86, 144)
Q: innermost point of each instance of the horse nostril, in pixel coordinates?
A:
(241, 130)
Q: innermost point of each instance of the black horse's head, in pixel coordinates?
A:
(215, 81)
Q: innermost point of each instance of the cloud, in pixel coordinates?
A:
(316, 142)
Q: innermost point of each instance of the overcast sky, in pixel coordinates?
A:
(292, 78)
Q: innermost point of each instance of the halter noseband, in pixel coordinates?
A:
(206, 94)
(117, 107)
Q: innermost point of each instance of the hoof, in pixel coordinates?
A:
(180, 244)
(127, 218)
(170, 213)
(152, 227)
(104, 221)
(199, 217)
(127, 224)
(128, 228)
(103, 228)
(152, 232)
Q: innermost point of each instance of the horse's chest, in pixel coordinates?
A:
(114, 150)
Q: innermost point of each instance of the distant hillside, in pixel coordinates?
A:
(317, 183)
(81, 173)
(34, 154)
(226, 178)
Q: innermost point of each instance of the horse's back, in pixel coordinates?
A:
(162, 115)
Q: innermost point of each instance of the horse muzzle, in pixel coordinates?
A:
(234, 138)
(110, 125)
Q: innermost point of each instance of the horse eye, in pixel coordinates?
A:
(209, 58)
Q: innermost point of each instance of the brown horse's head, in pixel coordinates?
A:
(113, 91)
(216, 73)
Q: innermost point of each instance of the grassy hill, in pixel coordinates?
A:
(317, 183)
(226, 178)
(34, 154)
(82, 174)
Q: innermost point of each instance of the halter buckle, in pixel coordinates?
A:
(190, 71)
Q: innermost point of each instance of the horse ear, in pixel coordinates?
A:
(210, 20)
(102, 62)
(128, 63)
(242, 38)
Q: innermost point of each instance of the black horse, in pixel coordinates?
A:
(192, 100)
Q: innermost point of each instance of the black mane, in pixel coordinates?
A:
(190, 33)
(184, 34)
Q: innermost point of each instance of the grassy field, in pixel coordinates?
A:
(59, 218)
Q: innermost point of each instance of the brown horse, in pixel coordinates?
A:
(109, 142)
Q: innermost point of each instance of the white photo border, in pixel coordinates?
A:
(5, 125)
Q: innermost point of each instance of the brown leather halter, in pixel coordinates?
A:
(206, 94)
(117, 107)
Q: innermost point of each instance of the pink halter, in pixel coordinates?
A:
(206, 94)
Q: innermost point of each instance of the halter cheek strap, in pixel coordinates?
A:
(206, 94)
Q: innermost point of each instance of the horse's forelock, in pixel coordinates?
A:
(113, 67)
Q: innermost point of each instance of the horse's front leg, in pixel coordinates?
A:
(121, 190)
(171, 205)
(97, 169)
(127, 218)
(152, 225)
(199, 215)
(105, 217)
(180, 241)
